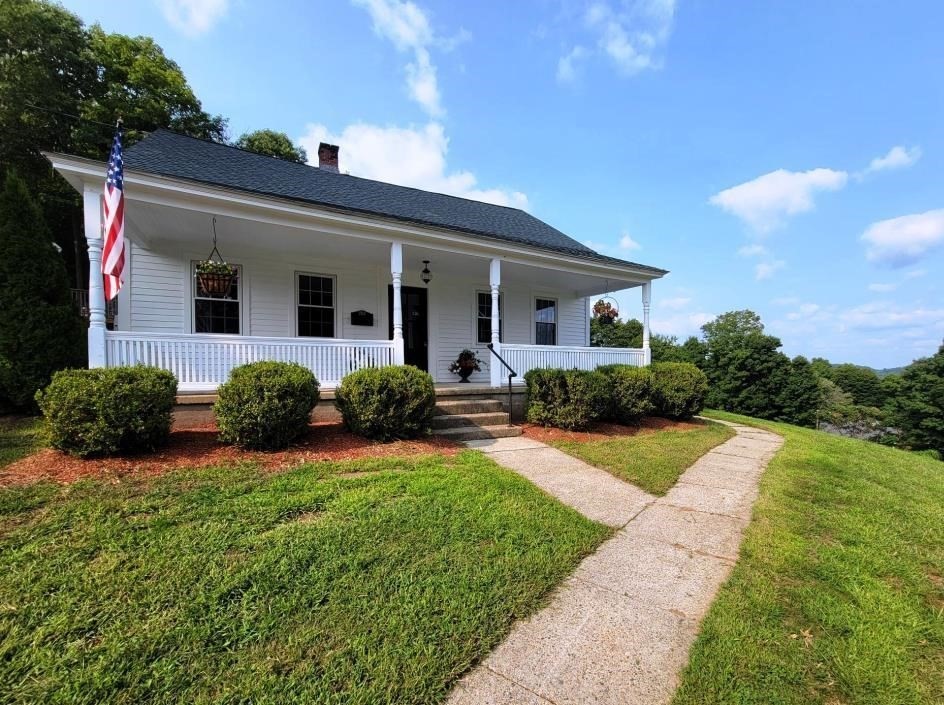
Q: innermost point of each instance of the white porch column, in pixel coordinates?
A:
(646, 299)
(496, 370)
(396, 274)
(92, 211)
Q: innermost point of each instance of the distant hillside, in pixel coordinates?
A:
(889, 371)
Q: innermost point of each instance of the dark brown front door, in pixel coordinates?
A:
(413, 302)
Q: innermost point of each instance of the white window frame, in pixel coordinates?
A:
(476, 317)
(335, 308)
(195, 296)
(535, 321)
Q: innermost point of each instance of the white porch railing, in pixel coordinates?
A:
(202, 362)
(523, 358)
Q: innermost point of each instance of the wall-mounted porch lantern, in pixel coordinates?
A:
(426, 275)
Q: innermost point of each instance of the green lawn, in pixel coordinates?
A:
(838, 596)
(311, 586)
(651, 461)
(19, 436)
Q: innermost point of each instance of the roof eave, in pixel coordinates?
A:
(79, 170)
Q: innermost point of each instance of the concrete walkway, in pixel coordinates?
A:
(619, 628)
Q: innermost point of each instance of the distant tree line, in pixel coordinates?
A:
(749, 374)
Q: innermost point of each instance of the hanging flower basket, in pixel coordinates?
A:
(606, 312)
(215, 278)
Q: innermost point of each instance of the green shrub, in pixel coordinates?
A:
(106, 411)
(678, 389)
(569, 399)
(630, 392)
(265, 405)
(387, 403)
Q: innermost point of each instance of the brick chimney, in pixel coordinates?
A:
(328, 157)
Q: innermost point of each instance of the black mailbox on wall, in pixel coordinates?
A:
(362, 318)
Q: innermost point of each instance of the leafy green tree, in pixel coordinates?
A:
(748, 374)
(273, 144)
(800, 396)
(861, 382)
(39, 330)
(821, 367)
(137, 82)
(918, 409)
(618, 334)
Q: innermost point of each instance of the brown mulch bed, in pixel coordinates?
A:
(197, 447)
(602, 431)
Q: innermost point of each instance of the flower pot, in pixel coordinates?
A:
(214, 284)
(607, 320)
(464, 374)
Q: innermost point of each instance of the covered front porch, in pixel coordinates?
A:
(337, 292)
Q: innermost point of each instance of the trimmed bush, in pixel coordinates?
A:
(678, 389)
(630, 393)
(107, 411)
(265, 405)
(387, 403)
(569, 399)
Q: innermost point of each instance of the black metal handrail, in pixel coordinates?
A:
(511, 374)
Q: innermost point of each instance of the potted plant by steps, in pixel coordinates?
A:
(214, 278)
(464, 365)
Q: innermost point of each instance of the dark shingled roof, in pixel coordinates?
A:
(171, 154)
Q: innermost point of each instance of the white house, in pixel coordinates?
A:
(330, 271)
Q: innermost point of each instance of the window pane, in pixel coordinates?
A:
(545, 334)
(545, 310)
(484, 322)
(216, 316)
(315, 322)
(485, 330)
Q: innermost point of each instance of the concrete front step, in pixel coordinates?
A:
(464, 407)
(477, 433)
(458, 420)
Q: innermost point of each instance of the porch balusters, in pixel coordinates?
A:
(92, 212)
(396, 274)
(646, 298)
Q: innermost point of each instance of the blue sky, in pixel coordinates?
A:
(780, 156)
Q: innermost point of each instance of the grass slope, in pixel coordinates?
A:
(838, 595)
(651, 461)
(311, 586)
(19, 436)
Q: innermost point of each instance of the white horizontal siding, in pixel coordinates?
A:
(158, 291)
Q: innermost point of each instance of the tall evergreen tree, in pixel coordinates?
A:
(918, 409)
(40, 331)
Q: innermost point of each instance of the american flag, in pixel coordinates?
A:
(113, 254)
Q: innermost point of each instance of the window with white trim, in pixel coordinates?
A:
(545, 321)
(316, 303)
(483, 317)
(217, 312)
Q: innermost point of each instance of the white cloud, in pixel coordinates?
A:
(897, 242)
(630, 33)
(765, 270)
(679, 324)
(785, 301)
(880, 315)
(915, 273)
(407, 156)
(898, 157)
(805, 311)
(628, 244)
(754, 250)
(675, 303)
(566, 65)
(408, 28)
(881, 288)
(193, 17)
(765, 202)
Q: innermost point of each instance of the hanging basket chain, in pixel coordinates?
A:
(214, 276)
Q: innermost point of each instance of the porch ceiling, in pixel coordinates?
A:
(163, 225)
